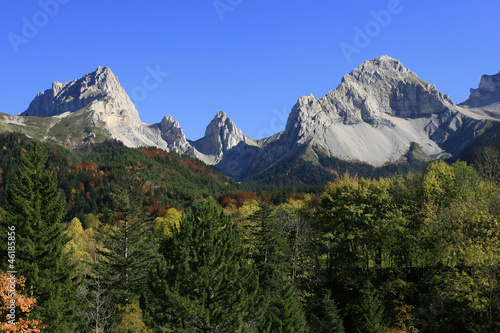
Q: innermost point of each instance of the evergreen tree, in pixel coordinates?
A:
(128, 251)
(204, 282)
(371, 317)
(35, 208)
(282, 308)
(326, 317)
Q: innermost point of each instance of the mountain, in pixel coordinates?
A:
(486, 96)
(376, 113)
(380, 113)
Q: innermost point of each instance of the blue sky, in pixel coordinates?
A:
(249, 58)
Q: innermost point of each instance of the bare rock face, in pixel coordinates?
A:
(100, 94)
(74, 95)
(375, 114)
(173, 135)
(487, 95)
(220, 136)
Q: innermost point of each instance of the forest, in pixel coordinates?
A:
(112, 239)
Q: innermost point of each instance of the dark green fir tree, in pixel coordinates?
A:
(371, 312)
(128, 251)
(325, 316)
(35, 208)
(283, 311)
(204, 282)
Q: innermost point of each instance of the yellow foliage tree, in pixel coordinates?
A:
(131, 321)
(164, 225)
(81, 246)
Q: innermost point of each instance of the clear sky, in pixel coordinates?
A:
(249, 58)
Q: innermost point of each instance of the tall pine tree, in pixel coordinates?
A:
(371, 312)
(325, 316)
(127, 253)
(204, 282)
(283, 311)
(128, 250)
(35, 208)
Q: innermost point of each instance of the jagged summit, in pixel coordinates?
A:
(220, 136)
(74, 95)
(379, 65)
(374, 115)
(487, 94)
(172, 134)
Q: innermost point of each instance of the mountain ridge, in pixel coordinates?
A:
(378, 112)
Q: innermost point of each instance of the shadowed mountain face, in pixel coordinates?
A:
(376, 115)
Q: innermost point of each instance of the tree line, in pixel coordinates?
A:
(399, 254)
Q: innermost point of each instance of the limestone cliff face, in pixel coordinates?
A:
(100, 94)
(220, 136)
(101, 84)
(172, 134)
(487, 95)
(375, 114)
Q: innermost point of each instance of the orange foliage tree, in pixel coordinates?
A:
(10, 289)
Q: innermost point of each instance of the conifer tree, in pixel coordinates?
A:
(128, 250)
(371, 317)
(282, 311)
(204, 282)
(35, 208)
(326, 317)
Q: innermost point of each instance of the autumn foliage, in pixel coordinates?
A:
(24, 305)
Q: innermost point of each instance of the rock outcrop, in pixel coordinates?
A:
(487, 95)
(221, 135)
(172, 134)
(101, 84)
(100, 94)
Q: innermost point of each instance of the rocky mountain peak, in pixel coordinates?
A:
(379, 73)
(220, 136)
(172, 134)
(77, 94)
(372, 115)
(487, 94)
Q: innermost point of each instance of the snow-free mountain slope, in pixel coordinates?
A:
(375, 114)
(487, 95)
(380, 113)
